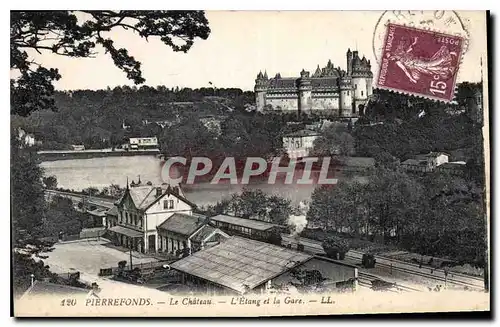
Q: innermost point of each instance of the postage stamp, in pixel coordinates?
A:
(420, 62)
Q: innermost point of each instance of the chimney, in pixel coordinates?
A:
(158, 191)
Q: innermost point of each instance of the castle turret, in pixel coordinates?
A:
(362, 79)
(349, 61)
(345, 86)
(260, 91)
(369, 79)
(305, 89)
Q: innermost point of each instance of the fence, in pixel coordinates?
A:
(86, 233)
(92, 232)
(142, 266)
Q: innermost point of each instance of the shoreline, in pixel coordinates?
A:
(56, 155)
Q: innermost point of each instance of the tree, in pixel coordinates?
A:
(335, 140)
(50, 182)
(61, 217)
(308, 280)
(335, 247)
(24, 266)
(254, 204)
(78, 34)
(27, 194)
(190, 138)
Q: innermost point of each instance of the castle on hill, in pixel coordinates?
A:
(330, 89)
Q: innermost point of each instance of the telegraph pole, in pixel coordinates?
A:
(130, 258)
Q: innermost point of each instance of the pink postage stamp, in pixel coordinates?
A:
(420, 62)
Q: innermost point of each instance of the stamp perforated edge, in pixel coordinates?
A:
(464, 47)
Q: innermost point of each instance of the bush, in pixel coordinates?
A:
(335, 247)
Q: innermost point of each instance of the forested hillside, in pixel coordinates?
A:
(96, 118)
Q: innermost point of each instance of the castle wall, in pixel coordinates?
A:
(305, 100)
(346, 102)
(330, 102)
(284, 104)
(260, 100)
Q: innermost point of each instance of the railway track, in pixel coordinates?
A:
(437, 270)
(365, 280)
(354, 257)
(425, 275)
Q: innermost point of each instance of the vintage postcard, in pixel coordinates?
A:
(249, 163)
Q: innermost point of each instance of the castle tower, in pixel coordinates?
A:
(349, 61)
(305, 90)
(362, 79)
(260, 91)
(346, 93)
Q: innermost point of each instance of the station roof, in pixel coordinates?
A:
(244, 222)
(239, 263)
(183, 224)
(126, 231)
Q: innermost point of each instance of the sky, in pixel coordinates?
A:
(242, 43)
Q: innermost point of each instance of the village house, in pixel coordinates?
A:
(27, 139)
(187, 232)
(425, 162)
(112, 217)
(141, 210)
(454, 167)
(413, 165)
(138, 143)
(240, 266)
(298, 144)
(78, 147)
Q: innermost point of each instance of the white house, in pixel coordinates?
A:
(144, 208)
(298, 144)
(26, 138)
(425, 162)
(143, 142)
(434, 158)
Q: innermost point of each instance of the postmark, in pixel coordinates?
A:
(420, 62)
(446, 21)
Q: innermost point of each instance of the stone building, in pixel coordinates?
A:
(141, 210)
(425, 163)
(330, 90)
(298, 144)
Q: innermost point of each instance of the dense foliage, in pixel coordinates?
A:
(402, 126)
(254, 204)
(27, 197)
(437, 214)
(335, 247)
(108, 118)
(79, 34)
